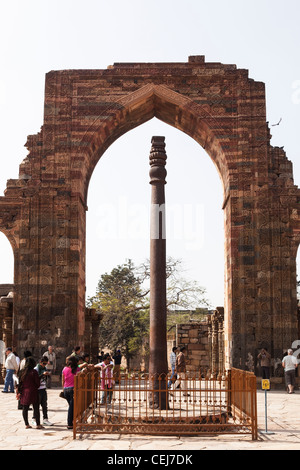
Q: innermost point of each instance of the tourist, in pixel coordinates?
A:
(117, 365)
(106, 376)
(265, 362)
(289, 363)
(68, 375)
(180, 369)
(41, 369)
(11, 367)
(15, 376)
(21, 366)
(23, 361)
(100, 356)
(17, 358)
(86, 358)
(27, 391)
(76, 352)
(51, 365)
(173, 366)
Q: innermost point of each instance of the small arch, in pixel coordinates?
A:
(7, 259)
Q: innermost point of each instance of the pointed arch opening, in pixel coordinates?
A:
(119, 205)
(171, 108)
(7, 260)
(6, 295)
(180, 113)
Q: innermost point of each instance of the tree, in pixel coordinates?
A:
(124, 309)
(122, 299)
(186, 300)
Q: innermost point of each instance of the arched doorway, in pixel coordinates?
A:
(7, 260)
(223, 110)
(118, 209)
(6, 298)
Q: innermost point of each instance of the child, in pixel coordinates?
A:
(106, 374)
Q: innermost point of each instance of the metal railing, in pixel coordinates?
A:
(198, 403)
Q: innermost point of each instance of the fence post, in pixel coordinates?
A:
(229, 392)
(75, 401)
(255, 410)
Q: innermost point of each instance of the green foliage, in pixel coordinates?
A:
(122, 301)
(124, 309)
(176, 317)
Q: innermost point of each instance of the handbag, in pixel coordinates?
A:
(62, 395)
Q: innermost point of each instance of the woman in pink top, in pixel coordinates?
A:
(68, 375)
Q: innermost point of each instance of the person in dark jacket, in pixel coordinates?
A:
(117, 361)
(27, 391)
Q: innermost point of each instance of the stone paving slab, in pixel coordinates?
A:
(283, 412)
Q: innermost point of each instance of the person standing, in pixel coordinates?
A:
(23, 361)
(76, 352)
(106, 377)
(289, 363)
(27, 391)
(173, 366)
(51, 365)
(43, 399)
(21, 366)
(265, 362)
(100, 357)
(117, 360)
(180, 369)
(11, 367)
(15, 376)
(86, 358)
(17, 358)
(68, 375)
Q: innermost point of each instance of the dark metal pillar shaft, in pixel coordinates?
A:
(158, 364)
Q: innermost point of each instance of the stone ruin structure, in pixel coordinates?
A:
(204, 342)
(43, 211)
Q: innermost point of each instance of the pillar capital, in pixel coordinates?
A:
(157, 160)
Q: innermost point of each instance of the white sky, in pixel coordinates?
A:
(37, 36)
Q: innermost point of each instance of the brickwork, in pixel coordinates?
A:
(43, 211)
(194, 337)
(204, 342)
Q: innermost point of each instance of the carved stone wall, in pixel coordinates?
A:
(204, 342)
(43, 211)
(194, 337)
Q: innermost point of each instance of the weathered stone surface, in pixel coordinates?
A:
(43, 211)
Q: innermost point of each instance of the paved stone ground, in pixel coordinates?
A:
(283, 421)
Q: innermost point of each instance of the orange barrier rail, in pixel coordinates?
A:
(196, 404)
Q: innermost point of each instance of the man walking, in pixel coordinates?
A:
(289, 363)
(180, 369)
(117, 360)
(11, 367)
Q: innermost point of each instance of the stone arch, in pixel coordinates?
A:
(84, 112)
(7, 228)
(168, 106)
